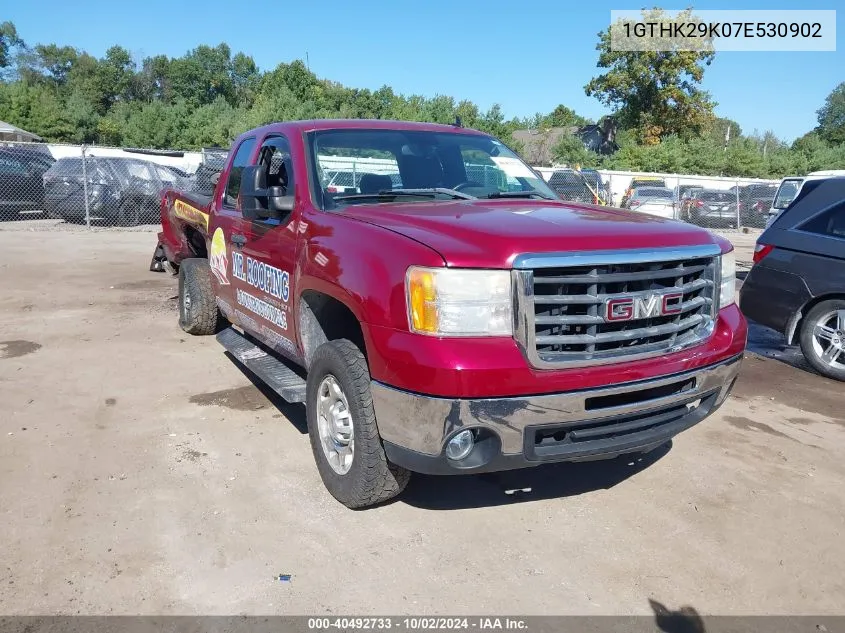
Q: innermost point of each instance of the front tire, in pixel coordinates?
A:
(198, 312)
(343, 431)
(823, 338)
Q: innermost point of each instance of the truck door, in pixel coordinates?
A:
(226, 233)
(264, 265)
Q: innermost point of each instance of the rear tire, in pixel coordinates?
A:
(359, 476)
(823, 338)
(198, 312)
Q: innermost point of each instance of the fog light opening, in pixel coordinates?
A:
(460, 445)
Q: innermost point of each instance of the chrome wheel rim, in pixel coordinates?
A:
(829, 339)
(334, 425)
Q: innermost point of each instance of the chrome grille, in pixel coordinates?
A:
(563, 303)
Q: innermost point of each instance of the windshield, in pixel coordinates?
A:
(786, 193)
(364, 166)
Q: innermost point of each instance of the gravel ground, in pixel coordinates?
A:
(141, 472)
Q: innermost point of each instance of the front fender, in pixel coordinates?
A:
(361, 265)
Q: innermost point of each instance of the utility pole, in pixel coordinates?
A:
(727, 137)
(307, 63)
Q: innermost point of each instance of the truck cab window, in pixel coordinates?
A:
(275, 158)
(241, 160)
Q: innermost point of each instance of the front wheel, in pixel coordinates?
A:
(342, 428)
(823, 338)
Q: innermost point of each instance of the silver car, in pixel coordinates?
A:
(654, 201)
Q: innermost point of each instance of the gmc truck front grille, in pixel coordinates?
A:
(599, 307)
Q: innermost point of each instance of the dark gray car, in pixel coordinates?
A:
(711, 208)
(22, 169)
(797, 283)
(121, 191)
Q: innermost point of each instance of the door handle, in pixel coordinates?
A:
(238, 240)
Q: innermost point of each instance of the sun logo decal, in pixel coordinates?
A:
(218, 259)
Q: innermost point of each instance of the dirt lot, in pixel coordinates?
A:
(142, 472)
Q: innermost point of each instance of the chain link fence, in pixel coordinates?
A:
(706, 201)
(95, 186)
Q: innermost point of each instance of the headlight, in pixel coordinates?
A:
(727, 292)
(451, 302)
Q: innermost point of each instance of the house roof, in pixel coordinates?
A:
(9, 132)
(537, 144)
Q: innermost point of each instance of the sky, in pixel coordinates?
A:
(527, 57)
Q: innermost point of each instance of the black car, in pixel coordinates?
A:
(121, 191)
(22, 169)
(797, 283)
(755, 200)
(571, 185)
(211, 166)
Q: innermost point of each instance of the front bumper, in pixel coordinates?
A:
(532, 430)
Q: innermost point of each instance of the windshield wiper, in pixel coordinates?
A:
(518, 194)
(423, 193)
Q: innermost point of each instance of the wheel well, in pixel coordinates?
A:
(323, 318)
(196, 242)
(794, 327)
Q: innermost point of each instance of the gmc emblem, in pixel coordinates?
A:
(643, 306)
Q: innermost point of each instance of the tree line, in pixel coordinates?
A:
(209, 95)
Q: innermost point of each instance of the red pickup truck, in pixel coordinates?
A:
(443, 311)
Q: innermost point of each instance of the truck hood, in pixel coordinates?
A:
(489, 234)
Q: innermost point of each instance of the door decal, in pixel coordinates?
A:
(218, 259)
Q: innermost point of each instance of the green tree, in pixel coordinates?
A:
(153, 82)
(245, 78)
(202, 75)
(717, 130)
(155, 124)
(744, 158)
(56, 61)
(8, 39)
(82, 118)
(563, 116)
(832, 116)
(117, 72)
(570, 150)
(654, 92)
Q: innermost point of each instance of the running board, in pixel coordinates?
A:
(273, 372)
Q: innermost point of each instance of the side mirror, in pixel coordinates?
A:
(278, 200)
(259, 202)
(215, 178)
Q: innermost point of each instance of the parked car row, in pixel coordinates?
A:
(120, 190)
(746, 205)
